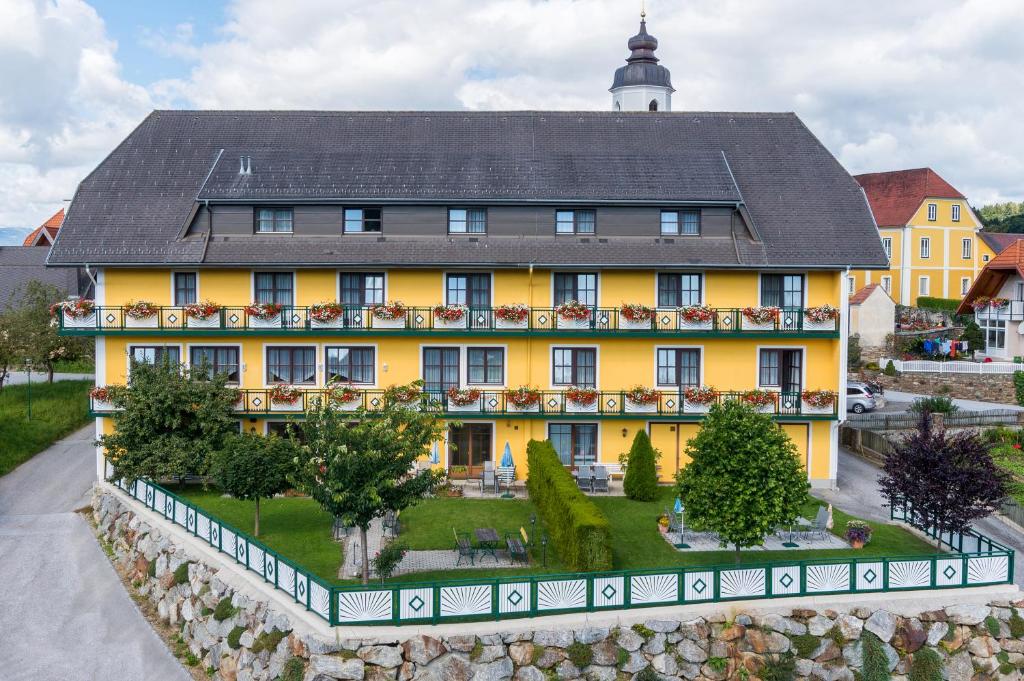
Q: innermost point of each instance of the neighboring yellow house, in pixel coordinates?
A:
(929, 233)
(437, 208)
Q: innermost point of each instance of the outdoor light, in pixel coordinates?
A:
(544, 549)
(533, 523)
(28, 367)
(625, 431)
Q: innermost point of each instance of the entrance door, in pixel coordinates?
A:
(670, 439)
(440, 371)
(469, 447)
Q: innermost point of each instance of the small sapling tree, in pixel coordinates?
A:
(253, 467)
(641, 480)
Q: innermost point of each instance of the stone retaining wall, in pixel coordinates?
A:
(981, 387)
(237, 637)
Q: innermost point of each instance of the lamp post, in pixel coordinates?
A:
(544, 549)
(533, 524)
(28, 367)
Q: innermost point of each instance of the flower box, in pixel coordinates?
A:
(349, 405)
(473, 406)
(579, 407)
(573, 324)
(632, 325)
(286, 406)
(525, 409)
(397, 323)
(639, 408)
(807, 408)
(86, 321)
(102, 405)
(573, 315)
(150, 322)
(271, 322)
(762, 401)
(635, 317)
(817, 401)
(696, 318)
(464, 400)
(697, 325)
(211, 322)
(442, 323)
(696, 407)
(500, 323)
(759, 318)
(749, 325)
(827, 325)
(335, 323)
(523, 399)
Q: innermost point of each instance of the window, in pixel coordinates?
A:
(678, 366)
(1019, 291)
(887, 284)
(350, 364)
(965, 285)
(575, 221)
(926, 247)
(485, 366)
(984, 258)
(155, 354)
(362, 288)
(274, 287)
(849, 285)
(362, 220)
(781, 369)
(933, 212)
(680, 222)
(994, 332)
(653, 106)
(574, 366)
(467, 220)
(440, 370)
(923, 286)
(956, 212)
(887, 247)
(581, 286)
(576, 443)
(212, 360)
(965, 249)
(185, 288)
(291, 365)
(677, 290)
(782, 290)
(274, 220)
(473, 290)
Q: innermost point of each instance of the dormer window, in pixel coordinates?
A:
(467, 220)
(575, 221)
(362, 220)
(680, 222)
(273, 220)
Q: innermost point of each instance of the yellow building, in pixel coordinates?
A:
(531, 230)
(929, 233)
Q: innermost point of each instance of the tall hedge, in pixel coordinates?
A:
(641, 481)
(577, 529)
(938, 304)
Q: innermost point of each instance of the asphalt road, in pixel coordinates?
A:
(64, 613)
(858, 494)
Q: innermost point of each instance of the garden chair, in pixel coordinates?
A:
(516, 548)
(506, 476)
(585, 478)
(600, 480)
(489, 482)
(673, 521)
(819, 527)
(488, 466)
(464, 547)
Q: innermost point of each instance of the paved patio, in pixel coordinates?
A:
(705, 542)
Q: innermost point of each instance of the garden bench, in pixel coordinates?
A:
(516, 548)
(464, 547)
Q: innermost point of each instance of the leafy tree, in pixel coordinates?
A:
(8, 351)
(853, 352)
(973, 335)
(744, 478)
(35, 335)
(357, 465)
(253, 467)
(168, 423)
(641, 480)
(949, 481)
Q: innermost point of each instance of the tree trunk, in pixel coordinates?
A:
(366, 554)
(737, 553)
(49, 373)
(256, 521)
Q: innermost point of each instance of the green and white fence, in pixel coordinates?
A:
(977, 561)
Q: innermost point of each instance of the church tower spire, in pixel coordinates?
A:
(642, 84)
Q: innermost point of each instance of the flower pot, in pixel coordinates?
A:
(84, 322)
(397, 323)
(695, 407)
(763, 408)
(286, 406)
(440, 323)
(806, 408)
(351, 405)
(749, 325)
(577, 408)
(336, 323)
(856, 543)
(272, 322)
(630, 325)
(150, 322)
(211, 322)
(500, 323)
(634, 408)
(102, 405)
(474, 406)
(532, 409)
(572, 324)
(827, 325)
(687, 325)
(414, 405)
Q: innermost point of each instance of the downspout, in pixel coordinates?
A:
(88, 273)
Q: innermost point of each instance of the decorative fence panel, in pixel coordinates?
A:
(953, 367)
(959, 419)
(977, 560)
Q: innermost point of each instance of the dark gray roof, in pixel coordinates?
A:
(22, 264)
(804, 206)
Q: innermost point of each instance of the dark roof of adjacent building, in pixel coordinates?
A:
(896, 195)
(999, 241)
(642, 66)
(46, 233)
(20, 265)
(992, 277)
(804, 209)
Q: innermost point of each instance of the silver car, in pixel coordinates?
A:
(861, 398)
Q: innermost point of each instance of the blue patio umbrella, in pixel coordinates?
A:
(435, 457)
(506, 458)
(678, 507)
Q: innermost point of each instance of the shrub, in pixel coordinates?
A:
(641, 480)
(973, 335)
(387, 559)
(992, 624)
(936, 404)
(647, 674)
(643, 631)
(580, 654)
(621, 657)
(853, 352)
(1016, 624)
(938, 304)
(181, 573)
(268, 641)
(890, 369)
(293, 670)
(805, 644)
(234, 636)
(778, 668)
(718, 664)
(1018, 387)
(579, 530)
(876, 664)
(224, 609)
(926, 665)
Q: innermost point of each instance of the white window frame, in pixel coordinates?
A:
(669, 386)
(965, 285)
(186, 360)
(757, 365)
(956, 212)
(966, 249)
(574, 346)
(933, 212)
(464, 363)
(925, 248)
(143, 344)
(924, 285)
(887, 246)
(887, 284)
(342, 344)
(318, 367)
(175, 273)
(851, 285)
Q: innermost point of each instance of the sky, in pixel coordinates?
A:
(885, 85)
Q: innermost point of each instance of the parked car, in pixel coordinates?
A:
(862, 397)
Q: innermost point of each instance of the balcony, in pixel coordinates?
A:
(1011, 311)
(670, 405)
(361, 321)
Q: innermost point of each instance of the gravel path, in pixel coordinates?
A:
(64, 613)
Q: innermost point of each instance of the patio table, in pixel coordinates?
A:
(487, 539)
(800, 523)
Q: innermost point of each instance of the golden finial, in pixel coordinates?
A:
(643, 11)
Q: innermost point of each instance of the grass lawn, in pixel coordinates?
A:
(74, 366)
(57, 410)
(1011, 460)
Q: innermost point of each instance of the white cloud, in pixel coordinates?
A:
(884, 85)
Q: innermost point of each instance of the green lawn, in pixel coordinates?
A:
(57, 410)
(74, 366)
(298, 529)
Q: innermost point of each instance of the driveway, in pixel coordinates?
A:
(857, 493)
(897, 401)
(20, 377)
(64, 613)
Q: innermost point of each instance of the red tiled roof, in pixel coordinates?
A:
(862, 295)
(994, 274)
(896, 195)
(52, 226)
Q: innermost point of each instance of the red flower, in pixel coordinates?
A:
(1016, 446)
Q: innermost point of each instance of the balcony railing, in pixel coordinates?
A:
(1012, 311)
(361, 320)
(550, 404)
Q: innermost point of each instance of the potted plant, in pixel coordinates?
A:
(696, 317)
(449, 316)
(641, 400)
(326, 316)
(344, 396)
(760, 318)
(858, 533)
(264, 315)
(522, 398)
(390, 315)
(698, 399)
(817, 401)
(821, 318)
(635, 316)
(573, 315)
(204, 315)
(405, 395)
(663, 523)
(285, 398)
(141, 314)
(464, 399)
(101, 397)
(516, 316)
(76, 313)
(579, 399)
(761, 400)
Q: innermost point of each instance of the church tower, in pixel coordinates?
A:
(642, 84)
